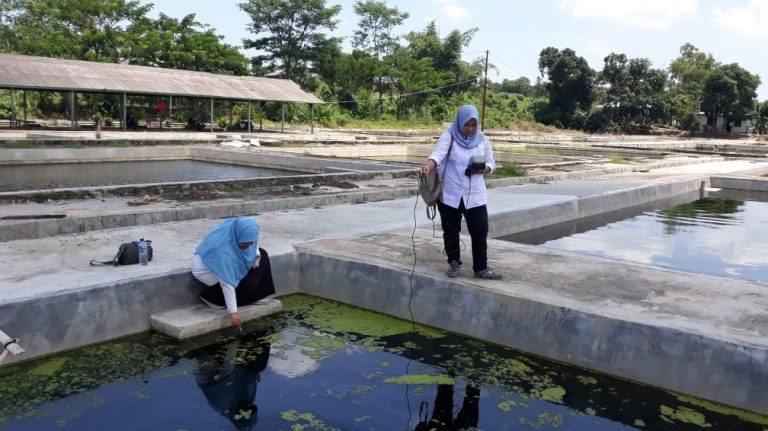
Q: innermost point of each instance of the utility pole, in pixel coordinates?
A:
(485, 90)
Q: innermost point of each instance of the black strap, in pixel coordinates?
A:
(109, 262)
(11, 341)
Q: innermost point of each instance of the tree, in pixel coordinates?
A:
(182, 44)
(374, 34)
(445, 55)
(635, 93)
(290, 31)
(8, 10)
(729, 91)
(570, 85)
(77, 29)
(520, 85)
(687, 74)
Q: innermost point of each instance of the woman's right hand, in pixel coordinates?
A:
(236, 319)
(427, 168)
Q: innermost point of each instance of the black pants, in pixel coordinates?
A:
(256, 285)
(477, 223)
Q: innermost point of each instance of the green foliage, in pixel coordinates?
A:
(374, 34)
(570, 87)
(182, 44)
(634, 98)
(78, 29)
(289, 34)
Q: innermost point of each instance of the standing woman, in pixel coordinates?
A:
(230, 262)
(463, 155)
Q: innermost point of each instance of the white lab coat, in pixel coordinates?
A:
(456, 185)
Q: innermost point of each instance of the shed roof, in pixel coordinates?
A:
(42, 73)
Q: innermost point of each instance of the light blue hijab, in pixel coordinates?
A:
(466, 113)
(220, 251)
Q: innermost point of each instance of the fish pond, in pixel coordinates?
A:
(722, 234)
(71, 175)
(322, 365)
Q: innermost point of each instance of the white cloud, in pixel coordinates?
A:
(653, 14)
(749, 20)
(452, 12)
(595, 51)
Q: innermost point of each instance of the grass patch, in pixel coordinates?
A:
(618, 159)
(18, 144)
(510, 171)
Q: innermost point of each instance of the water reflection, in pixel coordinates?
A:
(715, 235)
(367, 372)
(229, 387)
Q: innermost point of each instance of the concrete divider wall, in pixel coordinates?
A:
(740, 183)
(664, 357)
(75, 318)
(507, 223)
(22, 156)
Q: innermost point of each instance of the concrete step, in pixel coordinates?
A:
(192, 321)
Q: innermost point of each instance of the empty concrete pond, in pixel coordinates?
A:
(718, 235)
(322, 365)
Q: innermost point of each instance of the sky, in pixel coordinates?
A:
(515, 31)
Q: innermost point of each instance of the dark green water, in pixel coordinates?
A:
(716, 235)
(321, 365)
(69, 175)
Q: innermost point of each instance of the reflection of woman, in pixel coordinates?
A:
(464, 192)
(231, 389)
(233, 267)
(442, 414)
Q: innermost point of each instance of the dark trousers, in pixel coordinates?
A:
(477, 223)
(256, 285)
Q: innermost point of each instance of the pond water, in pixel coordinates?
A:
(321, 365)
(722, 235)
(68, 175)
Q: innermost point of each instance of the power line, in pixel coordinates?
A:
(429, 90)
(511, 69)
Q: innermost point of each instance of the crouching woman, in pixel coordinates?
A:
(233, 267)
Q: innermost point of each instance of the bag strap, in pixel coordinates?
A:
(447, 156)
(432, 209)
(110, 262)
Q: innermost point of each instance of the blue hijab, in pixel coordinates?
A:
(220, 251)
(466, 113)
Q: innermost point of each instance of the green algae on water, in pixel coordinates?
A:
(305, 421)
(555, 394)
(421, 379)
(723, 409)
(339, 317)
(684, 414)
(49, 368)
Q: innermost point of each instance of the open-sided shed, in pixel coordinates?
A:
(21, 72)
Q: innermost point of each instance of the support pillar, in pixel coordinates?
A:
(249, 116)
(211, 127)
(12, 123)
(312, 118)
(261, 116)
(125, 111)
(25, 107)
(282, 117)
(170, 113)
(72, 96)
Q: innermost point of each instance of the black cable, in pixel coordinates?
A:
(410, 300)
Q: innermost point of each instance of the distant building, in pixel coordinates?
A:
(737, 126)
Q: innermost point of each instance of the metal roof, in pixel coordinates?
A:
(42, 73)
